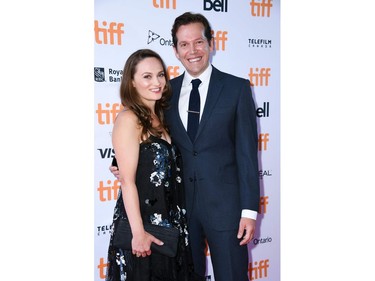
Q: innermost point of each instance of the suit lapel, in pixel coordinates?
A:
(213, 94)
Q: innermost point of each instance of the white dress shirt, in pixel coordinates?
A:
(183, 103)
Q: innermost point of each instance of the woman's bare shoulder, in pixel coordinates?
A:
(127, 115)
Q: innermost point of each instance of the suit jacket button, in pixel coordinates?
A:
(191, 179)
(195, 153)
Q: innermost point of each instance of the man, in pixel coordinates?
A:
(220, 163)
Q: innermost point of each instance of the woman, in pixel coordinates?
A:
(151, 188)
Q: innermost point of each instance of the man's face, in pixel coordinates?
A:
(193, 49)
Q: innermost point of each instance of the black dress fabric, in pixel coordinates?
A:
(161, 198)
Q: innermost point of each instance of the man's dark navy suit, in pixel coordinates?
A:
(220, 167)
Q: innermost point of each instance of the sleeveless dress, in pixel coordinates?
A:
(161, 198)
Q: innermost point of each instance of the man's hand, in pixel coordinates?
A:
(115, 171)
(246, 230)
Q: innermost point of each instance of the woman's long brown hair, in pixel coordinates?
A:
(130, 98)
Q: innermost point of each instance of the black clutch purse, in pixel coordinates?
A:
(169, 235)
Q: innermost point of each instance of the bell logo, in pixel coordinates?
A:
(114, 31)
(263, 111)
(261, 9)
(217, 5)
(160, 4)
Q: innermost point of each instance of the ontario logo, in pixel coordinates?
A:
(153, 36)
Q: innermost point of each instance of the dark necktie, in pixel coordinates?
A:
(194, 109)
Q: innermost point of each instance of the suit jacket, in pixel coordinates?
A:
(220, 168)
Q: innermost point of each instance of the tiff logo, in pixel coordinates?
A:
(263, 141)
(259, 77)
(109, 191)
(102, 268)
(220, 37)
(217, 5)
(114, 30)
(108, 114)
(160, 4)
(259, 269)
(261, 9)
(263, 204)
(173, 71)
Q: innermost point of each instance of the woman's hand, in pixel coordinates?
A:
(141, 244)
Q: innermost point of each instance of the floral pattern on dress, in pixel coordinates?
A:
(157, 168)
(162, 165)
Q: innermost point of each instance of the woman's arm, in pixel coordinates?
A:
(125, 140)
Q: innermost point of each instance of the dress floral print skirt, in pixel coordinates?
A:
(161, 198)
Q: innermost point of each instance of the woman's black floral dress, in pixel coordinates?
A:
(161, 196)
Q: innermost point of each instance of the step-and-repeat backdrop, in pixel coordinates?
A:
(247, 44)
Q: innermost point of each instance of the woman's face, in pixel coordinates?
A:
(149, 80)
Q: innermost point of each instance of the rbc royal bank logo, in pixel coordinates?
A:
(113, 75)
(99, 74)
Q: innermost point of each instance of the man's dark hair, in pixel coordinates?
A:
(188, 18)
